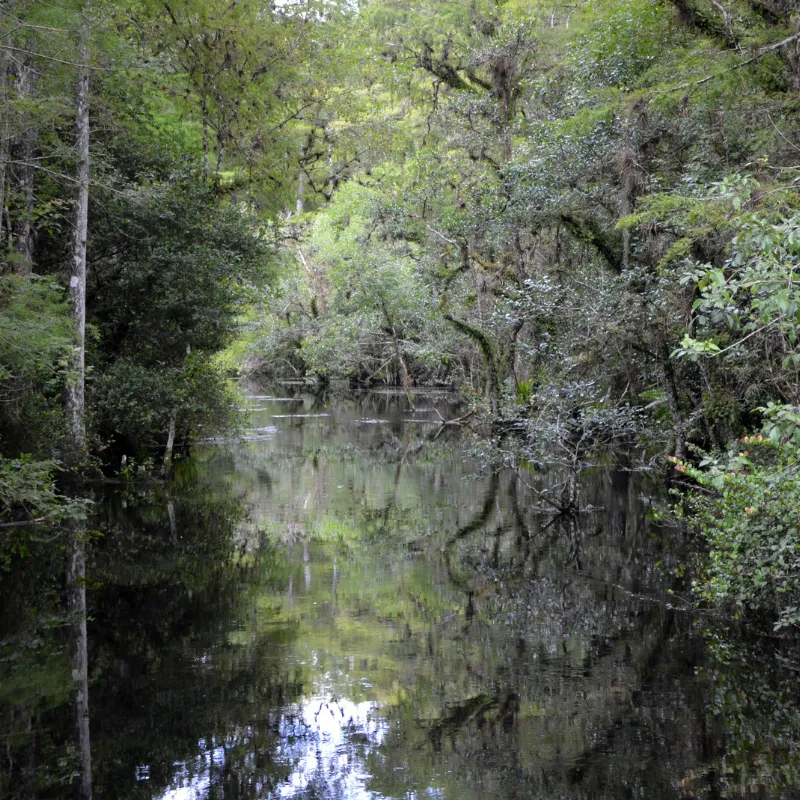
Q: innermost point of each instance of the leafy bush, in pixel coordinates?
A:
(137, 402)
(28, 494)
(746, 507)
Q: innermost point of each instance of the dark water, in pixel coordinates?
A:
(343, 606)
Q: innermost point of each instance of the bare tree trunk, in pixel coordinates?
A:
(170, 444)
(328, 138)
(24, 169)
(300, 202)
(405, 376)
(75, 404)
(173, 525)
(204, 109)
(76, 584)
(75, 407)
(4, 134)
(302, 178)
(306, 565)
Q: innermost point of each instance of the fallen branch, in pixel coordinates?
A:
(457, 420)
(445, 422)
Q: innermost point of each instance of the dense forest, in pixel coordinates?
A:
(526, 499)
(582, 217)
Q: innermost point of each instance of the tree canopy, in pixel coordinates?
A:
(583, 217)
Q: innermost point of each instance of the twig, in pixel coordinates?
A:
(745, 338)
(762, 52)
(22, 523)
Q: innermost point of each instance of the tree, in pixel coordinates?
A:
(75, 394)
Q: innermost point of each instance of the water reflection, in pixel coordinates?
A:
(76, 588)
(327, 742)
(342, 605)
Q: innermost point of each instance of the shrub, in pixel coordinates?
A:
(746, 507)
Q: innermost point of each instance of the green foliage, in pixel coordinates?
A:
(746, 509)
(35, 335)
(754, 298)
(782, 423)
(137, 401)
(624, 39)
(560, 195)
(524, 391)
(745, 315)
(378, 312)
(175, 265)
(28, 496)
(174, 254)
(592, 205)
(27, 486)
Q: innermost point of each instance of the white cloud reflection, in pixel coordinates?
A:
(324, 742)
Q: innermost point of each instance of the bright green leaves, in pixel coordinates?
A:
(379, 309)
(746, 509)
(755, 299)
(782, 423)
(692, 348)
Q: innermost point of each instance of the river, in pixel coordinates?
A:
(345, 603)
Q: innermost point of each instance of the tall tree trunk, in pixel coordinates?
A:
(302, 178)
(75, 405)
(4, 133)
(300, 202)
(25, 153)
(405, 377)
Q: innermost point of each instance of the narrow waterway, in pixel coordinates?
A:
(344, 604)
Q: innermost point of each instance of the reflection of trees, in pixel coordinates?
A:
(177, 700)
(36, 723)
(170, 699)
(555, 668)
(44, 679)
(753, 712)
(361, 469)
(562, 637)
(76, 589)
(501, 652)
